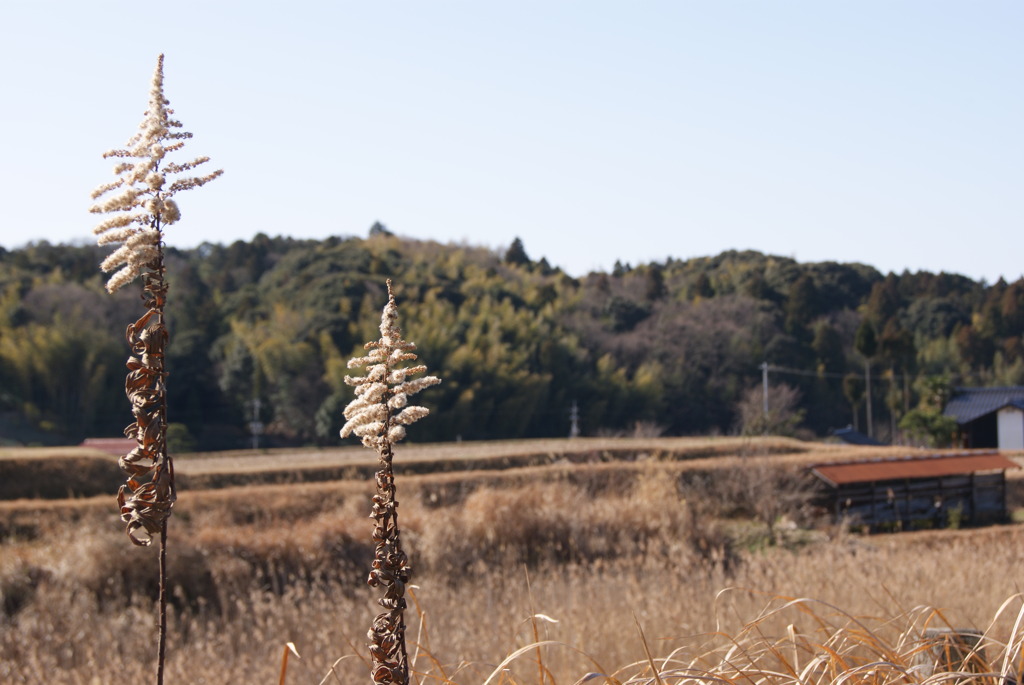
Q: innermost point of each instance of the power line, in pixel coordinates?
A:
(830, 374)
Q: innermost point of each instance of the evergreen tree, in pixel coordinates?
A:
(516, 254)
(866, 343)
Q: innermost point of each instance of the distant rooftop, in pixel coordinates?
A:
(114, 446)
(854, 437)
(969, 404)
(929, 466)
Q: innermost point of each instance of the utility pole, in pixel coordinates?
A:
(867, 391)
(255, 425)
(574, 420)
(764, 392)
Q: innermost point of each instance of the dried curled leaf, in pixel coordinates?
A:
(145, 506)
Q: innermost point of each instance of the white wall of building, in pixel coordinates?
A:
(1011, 429)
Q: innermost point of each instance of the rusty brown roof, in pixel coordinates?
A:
(931, 466)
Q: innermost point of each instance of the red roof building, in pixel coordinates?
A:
(932, 491)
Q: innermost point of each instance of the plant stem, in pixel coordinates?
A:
(391, 571)
(161, 326)
(162, 643)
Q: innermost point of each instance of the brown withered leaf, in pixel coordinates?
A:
(145, 504)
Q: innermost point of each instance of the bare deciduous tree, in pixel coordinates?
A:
(783, 415)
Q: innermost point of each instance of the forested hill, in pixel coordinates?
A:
(675, 345)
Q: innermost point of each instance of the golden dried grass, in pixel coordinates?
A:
(491, 454)
(264, 565)
(886, 583)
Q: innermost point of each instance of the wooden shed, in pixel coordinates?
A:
(933, 491)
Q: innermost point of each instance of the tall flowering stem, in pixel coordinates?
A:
(140, 205)
(379, 414)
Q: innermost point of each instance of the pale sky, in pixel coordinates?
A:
(881, 131)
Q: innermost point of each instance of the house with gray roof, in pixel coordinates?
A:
(849, 436)
(989, 417)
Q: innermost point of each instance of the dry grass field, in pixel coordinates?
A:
(633, 557)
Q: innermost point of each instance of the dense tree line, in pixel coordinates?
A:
(677, 344)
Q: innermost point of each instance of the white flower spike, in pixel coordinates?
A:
(142, 204)
(380, 409)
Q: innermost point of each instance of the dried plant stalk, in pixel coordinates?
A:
(391, 571)
(140, 206)
(379, 414)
